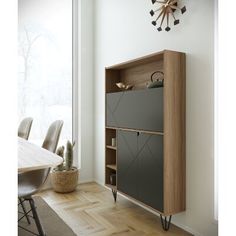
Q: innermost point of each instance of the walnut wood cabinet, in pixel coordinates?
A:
(148, 159)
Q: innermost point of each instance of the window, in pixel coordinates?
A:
(45, 65)
(216, 115)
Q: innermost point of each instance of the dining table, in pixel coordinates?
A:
(33, 157)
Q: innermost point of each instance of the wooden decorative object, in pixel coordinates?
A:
(157, 80)
(122, 86)
(165, 9)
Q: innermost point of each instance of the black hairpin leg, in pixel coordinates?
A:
(36, 218)
(24, 210)
(165, 223)
(114, 192)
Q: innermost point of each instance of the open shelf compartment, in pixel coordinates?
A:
(137, 72)
(110, 162)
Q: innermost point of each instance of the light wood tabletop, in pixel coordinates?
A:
(33, 157)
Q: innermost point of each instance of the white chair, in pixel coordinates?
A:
(31, 182)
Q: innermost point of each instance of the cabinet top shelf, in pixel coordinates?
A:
(141, 60)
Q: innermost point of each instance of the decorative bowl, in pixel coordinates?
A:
(122, 86)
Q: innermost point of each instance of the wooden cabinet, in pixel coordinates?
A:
(148, 159)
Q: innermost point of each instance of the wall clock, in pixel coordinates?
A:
(164, 10)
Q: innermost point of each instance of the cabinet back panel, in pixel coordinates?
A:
(110, 133)
(108, 172)
(112, 77)
(140, 75)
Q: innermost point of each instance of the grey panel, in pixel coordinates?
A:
(113, 101)
(150, 155)
(127, 164)
(140, 167)
(140, 109)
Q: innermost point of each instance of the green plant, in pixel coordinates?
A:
(67, 163)
(60, 152)
(69, 155)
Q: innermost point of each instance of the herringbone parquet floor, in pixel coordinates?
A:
(90, 210)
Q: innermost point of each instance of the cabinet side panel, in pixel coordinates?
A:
(174, 132)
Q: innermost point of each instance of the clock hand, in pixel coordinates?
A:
(158, 9)
(160, 13)
(163, 17)
(167, 18)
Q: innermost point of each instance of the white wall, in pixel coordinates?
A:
(123, 31)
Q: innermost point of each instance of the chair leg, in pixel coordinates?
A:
(24, 210)
(36, 218)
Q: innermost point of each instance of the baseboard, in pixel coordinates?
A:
(100, 183)
(184, 227)
(187, 229)
(49, 187)
(84, 181)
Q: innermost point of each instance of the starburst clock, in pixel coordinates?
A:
(166, 9)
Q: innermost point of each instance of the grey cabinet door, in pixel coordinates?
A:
(140, 167)
(150, 156)
(127, 163)
(140, 109)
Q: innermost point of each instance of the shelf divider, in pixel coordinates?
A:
(137, 130)
(113, 167)
(111, 147)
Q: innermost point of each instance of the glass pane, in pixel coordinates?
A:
(45, 65)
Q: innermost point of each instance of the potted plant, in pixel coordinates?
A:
(64, 178)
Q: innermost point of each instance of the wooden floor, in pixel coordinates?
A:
(91, 210)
